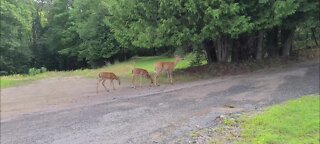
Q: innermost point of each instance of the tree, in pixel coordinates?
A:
(15, 35)
(96, 43)
(305, 13)
(59, 35)
(39, 24)
(276, 21)
(178, 23)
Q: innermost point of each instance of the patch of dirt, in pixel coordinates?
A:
(69, 92)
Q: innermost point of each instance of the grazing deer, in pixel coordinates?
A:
(167, 67)
(141, 73)
(103, 76)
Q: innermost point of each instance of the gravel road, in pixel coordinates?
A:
(67, 110)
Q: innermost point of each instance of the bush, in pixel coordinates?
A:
(43, 69)
(35, 71)
(2, 73)
(197, 56)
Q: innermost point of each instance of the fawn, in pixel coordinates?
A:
(103, 76)
(141, 73)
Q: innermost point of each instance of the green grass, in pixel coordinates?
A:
(14, 80)
(294, 122)
(122, 69)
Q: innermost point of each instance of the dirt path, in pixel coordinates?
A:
(67, 110)
(68, 92)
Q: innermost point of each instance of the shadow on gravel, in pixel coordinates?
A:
(296, 86)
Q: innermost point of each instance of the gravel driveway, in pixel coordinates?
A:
(68, 111)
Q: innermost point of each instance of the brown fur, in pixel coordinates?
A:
(167, 67)
(103, 76)
(141, 73)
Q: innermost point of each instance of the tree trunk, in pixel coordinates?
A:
(251, 47)
(260, 45)
(154, 51)
(222, 47)
(287, 39)
(247, 47)
(210, 51)
(314, 37)
(272, 39)
(235, 50)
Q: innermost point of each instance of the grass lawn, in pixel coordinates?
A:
(14, 80)
(296, 121)
(122, 69)
(183, 73)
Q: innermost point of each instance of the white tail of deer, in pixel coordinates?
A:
(167, 67)
(141, 73)
(103, 76)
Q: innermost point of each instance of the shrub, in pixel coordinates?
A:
(34, 71)
(2, 73)
(43, 69)
(197, 56)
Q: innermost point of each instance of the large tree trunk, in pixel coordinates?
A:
(251, 47)
(247, 44)
(259, 53)
(210, 51)
(314, 36)
(242, 47)
(154, 51)
(287, 39)
(235, 50)
(222, 47)
(272, 39)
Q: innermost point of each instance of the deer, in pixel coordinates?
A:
(167, 67)
(141, 73)
(103, 76)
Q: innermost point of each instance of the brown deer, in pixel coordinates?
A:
(103, 76)
(167, 67)
(141, 73)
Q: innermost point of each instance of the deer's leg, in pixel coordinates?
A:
(99, 80)
(140, 80)
(133, 77)
(168, 75)
(104, 85)
(171, 77)
(155, 78)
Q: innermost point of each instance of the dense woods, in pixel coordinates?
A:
(72, 34)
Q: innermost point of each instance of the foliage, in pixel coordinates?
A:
(96, 41)
(197, 57)
(35, 71)
(174, 23)
(296, 121)
(224, 24)
(15, 35)
(59, 35)
(72, 34)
